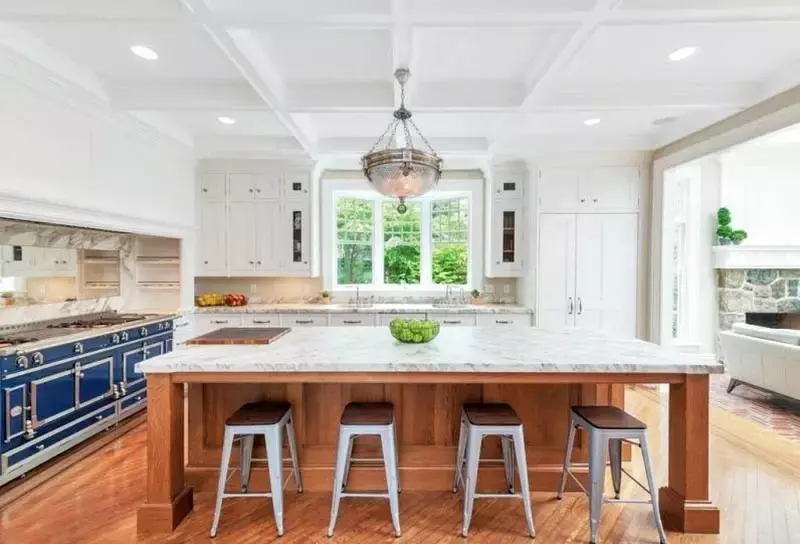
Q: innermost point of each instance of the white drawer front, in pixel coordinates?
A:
(210, 322)
(352, 320)
(385, 319)
(261, 320)
(454, 320)
(304, 320)
(504, 320)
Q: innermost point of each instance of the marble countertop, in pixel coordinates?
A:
(456, 349)
(378, 308)
(82, 335)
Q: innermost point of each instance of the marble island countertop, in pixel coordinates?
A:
(378, 308)
(456, 349)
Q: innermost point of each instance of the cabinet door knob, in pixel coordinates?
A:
(258, 190)
(250, 190)
(205, 262)
(594, 200)
(205, 190)
(583, 200)
(259, 262)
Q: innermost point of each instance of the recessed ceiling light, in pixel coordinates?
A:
(682, 53)
(144, 52)
(226, 120)
(591, 122)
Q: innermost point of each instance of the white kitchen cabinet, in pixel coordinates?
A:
(294, 244)
(54, 262)
(304, 320)
(262, 222)
(505, 222)
(261, 320)
(296, 184)
(248, 187)
(587, 273)
(212, 239)
(212, 186)
(18, 260)
(505, 254)
(457, 320)
(589, 189)
(205, 323)
(242, 238)
(352, 320)
(504, 320)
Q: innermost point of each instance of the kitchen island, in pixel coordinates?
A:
(540, 373)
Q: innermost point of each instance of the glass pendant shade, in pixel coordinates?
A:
(402, 172)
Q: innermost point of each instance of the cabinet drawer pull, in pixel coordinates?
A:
(179, 325)
(98, 418)
(304, 321)
(351, 322)
(457, 322)
(219, 321)
(262, 322)
(503, 322)
(40, 447)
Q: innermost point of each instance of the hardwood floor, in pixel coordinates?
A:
(754, 480)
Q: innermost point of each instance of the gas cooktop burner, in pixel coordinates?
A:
(97, 322)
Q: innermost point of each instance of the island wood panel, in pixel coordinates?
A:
(427, 422)
(685, 504)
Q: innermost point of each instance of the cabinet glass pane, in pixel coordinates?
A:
(509, 241)
(297, 236)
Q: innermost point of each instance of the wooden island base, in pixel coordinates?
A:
(427, 411)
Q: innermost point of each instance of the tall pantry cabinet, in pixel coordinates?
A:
(588, 248)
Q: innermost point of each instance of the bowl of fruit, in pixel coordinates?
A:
(413, 331)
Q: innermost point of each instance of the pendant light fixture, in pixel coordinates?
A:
(401, 171)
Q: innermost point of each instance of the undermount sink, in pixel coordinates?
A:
(355, 306)
(449, 305)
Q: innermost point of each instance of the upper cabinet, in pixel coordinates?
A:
(262, 227)
(506, 222)
(590, 189)
(212, 187)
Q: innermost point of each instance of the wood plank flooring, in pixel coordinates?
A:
(754, 479)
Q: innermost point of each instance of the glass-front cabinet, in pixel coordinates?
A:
(505, 258)
(296, 241)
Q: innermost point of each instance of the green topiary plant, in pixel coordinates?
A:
(725, 233)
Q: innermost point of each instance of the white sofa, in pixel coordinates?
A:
(765, 358)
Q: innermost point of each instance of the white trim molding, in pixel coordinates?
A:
(754, 257)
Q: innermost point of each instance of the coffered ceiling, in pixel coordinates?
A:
(500, 77)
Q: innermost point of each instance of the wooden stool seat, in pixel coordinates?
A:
(608, 417)
(498, 413)
(259, 413)
(368, 413)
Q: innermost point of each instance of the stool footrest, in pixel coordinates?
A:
(623, 501)
(498, 495)
(366, 495)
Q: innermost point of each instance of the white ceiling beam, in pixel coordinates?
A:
(601, 13)
(258, 72)
(443, 145)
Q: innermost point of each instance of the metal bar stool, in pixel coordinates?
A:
(477, 422)
(608, 427)
(361, 419)
(269, 420)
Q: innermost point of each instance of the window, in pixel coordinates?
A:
(449, 241)
(434, 244)
(354, 241)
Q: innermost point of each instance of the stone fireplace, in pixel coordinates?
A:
(770, 297)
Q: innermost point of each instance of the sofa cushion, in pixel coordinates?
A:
(784, 336)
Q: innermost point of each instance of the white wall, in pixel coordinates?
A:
(761, 186)
(70, 158)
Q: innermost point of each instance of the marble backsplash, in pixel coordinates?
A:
(19, 315)
(301, 290)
